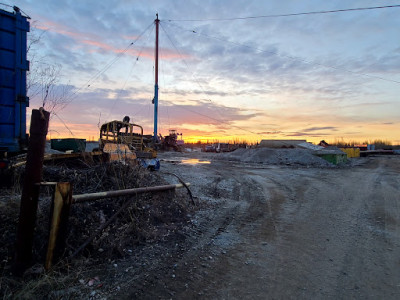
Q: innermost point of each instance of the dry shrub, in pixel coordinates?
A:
(149, 218)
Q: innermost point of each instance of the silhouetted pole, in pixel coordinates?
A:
(155, 100)
(30, 191)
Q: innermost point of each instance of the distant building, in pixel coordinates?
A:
(280, 143)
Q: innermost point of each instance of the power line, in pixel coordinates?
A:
(287, 56)
(130, 73)
(260, 50)
(181, 56)
(74, 95)
(106, 67)
(187, 66)
(288, 15)
(162, 70)
(196, 112)
(65, 125)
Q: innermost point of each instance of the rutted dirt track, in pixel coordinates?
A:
(281, 232)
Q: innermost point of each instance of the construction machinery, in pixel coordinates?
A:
(125, 139)
(171, 142)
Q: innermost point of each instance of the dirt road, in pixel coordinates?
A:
(277, 232)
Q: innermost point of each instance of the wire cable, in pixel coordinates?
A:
(285, 55)
(106, 67)
(208, 99)
(287, 15)
(187, 66)
(65, 125)
(181, 56)
(127, 78)
(74, 95)
(161, 112)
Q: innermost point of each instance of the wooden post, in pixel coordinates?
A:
(30, 191)
(61, 205)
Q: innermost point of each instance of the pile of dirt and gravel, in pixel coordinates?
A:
(300, 157)
(148, 218)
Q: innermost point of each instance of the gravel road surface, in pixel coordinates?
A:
(283, 232)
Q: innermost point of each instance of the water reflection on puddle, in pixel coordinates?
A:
(194, 161)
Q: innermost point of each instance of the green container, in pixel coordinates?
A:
(76, 145)
(334, 158)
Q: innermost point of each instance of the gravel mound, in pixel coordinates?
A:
(301, 157)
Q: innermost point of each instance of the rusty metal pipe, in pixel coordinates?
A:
(109, 194)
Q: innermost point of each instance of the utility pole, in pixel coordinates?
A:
(155, 100)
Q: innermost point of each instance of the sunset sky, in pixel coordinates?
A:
(326, 76)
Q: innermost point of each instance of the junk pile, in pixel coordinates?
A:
(149, 218)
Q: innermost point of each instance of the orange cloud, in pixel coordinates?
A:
(61, 29)
(101, 46)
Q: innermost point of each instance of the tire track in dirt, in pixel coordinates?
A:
(217, 227)
(290, 233)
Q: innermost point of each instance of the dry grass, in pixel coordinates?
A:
(149, 218)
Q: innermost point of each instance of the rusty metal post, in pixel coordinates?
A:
(61, 205)
(30, 191)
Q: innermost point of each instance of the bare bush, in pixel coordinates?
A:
(44, 76)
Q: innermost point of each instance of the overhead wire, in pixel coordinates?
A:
(186, 64)
(184, 60)
(130, 73)
(74, 95)
(117, 57)
(161, 68)
(201, 87)
(107, 66)
(276, 53)
(287, 56)
(63, 122)
(164, 84)
(287, 15)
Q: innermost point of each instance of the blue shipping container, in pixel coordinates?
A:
(13, 68)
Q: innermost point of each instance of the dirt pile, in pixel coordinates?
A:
(300, 157)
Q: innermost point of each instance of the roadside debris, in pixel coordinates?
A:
(148, 218)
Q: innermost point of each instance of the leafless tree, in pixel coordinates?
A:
(43, 80)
